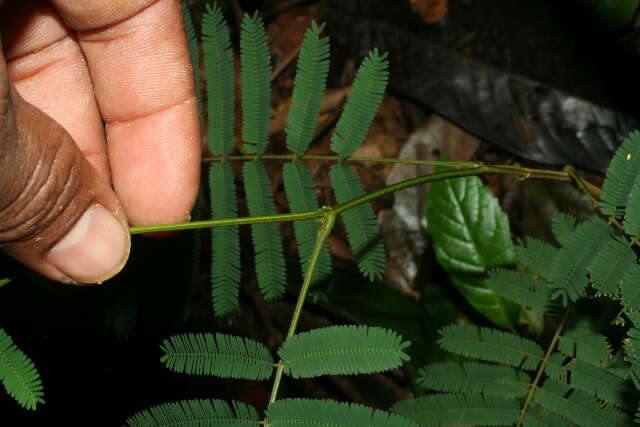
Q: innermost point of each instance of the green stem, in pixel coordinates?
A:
(543, 365)
(323, 212)
(291, 157)
(323, 234)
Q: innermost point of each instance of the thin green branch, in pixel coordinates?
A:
(542, 367)
(323, 234)
(589, 189)
(325, 211)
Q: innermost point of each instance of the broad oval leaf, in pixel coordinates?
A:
(470, 236)
(340, 350)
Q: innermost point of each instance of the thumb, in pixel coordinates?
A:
(57, 216)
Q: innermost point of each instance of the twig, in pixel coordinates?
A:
(285, 63)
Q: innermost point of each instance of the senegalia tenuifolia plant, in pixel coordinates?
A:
(18, 374)
(333, 350)
(577, 376)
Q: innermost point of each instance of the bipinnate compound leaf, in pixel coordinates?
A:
(308, 89)
(586, 345)
(491, 345)
(329, 413)
(367, 93)
(255, 73)
(18, 374)
(569, 269)
(340, 350)
(221, 355)
(611, 264)
(197, 413)
(578, 407)
(360, 222)
(470, 236)
(630, 289)
(225, 241)
(270, 264)
(602, 384)
(218, 62)
(632, 213)
(300, 192)
(537, 256)
(621, 176)
(475, 378)
(194, 55)
(459, 409)
(521, 288)
(562, 226)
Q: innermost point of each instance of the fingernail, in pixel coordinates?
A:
(95, 249)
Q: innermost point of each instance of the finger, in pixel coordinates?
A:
(48, 69)
(57, 215)
(139, 64)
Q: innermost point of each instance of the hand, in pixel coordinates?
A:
(98, 130)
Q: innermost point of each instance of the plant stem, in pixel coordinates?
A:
(323, 234)
(543, 365)
(477, 169)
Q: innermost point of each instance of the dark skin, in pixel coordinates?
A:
(98, 131)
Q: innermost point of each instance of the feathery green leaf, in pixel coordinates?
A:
(329, 413)
(218, 61)
(270, 265)
(473, 377)
(562, 226)
(360, 222)
(537, 256)
(630, 289)
(194, 55)
(197, 413)
(340, 350)
(18, 374)
(221, 355)
(459, 409)
(225, 241)
(362, 105)
(621, 176)
(577, 406)
(602, 384)
(586, 345)
(491, 345)
(4, 282)
(301, 195)
(632, 213)
(308, 89)
(255, 73)
(521, 288)
(609, 266)
(569, 271)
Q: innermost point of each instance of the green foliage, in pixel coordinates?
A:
(610, 266)
(221, 355)
(255, 73)
(4, 282)
(471, 235)
(301, 195)
(362, 105)
(341, 350)
(456, 409)
(197, 413)
(521, 288)
(360, 222)
(621, 176)
(569, 271)
(18, 374)
(194, 55)
(328, 413)
(475, 378)
(562, 226)
(225, 241)
(218, 61)
(270, 265)
(308, 89)
(537, 256)
(584, 344)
